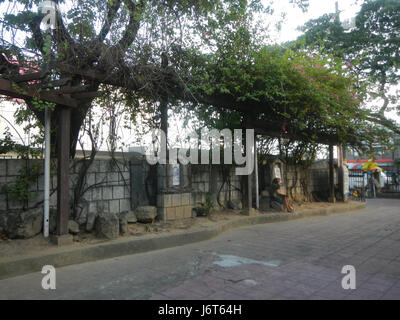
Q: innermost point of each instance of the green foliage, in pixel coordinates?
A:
(304, 93)
(370, 49)
(208, 206)
(217, 48)
(7, 144)
(19, 190)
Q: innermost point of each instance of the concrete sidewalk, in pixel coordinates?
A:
(63, 256)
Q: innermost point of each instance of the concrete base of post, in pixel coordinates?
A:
(64, 240)
(250, 212)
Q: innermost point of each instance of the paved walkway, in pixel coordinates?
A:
(299, 259)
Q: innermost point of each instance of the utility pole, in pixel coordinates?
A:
(337, 12)
(331, 175)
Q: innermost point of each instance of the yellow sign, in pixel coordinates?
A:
(370, 166)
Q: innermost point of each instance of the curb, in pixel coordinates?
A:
(116, 248)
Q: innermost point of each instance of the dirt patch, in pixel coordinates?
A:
(13, 248)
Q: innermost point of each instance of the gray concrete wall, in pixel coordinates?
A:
(107, 185)
(319, 178)
(206, 178)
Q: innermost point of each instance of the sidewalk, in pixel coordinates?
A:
(78, 253)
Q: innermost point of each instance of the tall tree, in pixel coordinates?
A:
(209, 53)
(117, 42)
(370, 49)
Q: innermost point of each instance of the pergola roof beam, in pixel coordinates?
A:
(6, 88)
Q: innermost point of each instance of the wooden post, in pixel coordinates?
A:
(64, 126)
(249, 193)
(162, 177)
(331, 176)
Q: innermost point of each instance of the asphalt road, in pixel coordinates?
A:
(298, 259)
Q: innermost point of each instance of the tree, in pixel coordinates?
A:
(371, 52)
(210, 55)
(118, 42)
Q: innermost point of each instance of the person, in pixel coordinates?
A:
(278, 197)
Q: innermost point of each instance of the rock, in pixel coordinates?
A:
(123, 225)
(25, 224)
(91, 218)
(200, 211)
(130, 216)
(146, 214)
(235, 204)
(73, 227)
(265, 203)
(107, 225)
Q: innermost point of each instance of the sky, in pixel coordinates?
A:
(295, 17)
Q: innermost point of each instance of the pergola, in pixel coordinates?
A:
(67, 97)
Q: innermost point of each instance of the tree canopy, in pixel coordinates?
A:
(205, 55)
(370, 49)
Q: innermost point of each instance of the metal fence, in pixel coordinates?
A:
(358, 184)
(391, 182)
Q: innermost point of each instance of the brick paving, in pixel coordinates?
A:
(308, 253)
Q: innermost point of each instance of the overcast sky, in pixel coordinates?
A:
(296, 18)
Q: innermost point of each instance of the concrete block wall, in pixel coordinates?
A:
(107, 183)
(205, 179)
(316, 177)
(174, 206)
(319, 177)
(295, 175)
(10, 171)
(200, 183)
(109, 187)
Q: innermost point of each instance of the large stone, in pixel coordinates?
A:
(73, 227)
(265, 203)
(25, 224)
(146, 214)
(235, 204)
(130, 216)
(107, 226)
(123, 223)
(91, 217)
(200, 211)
